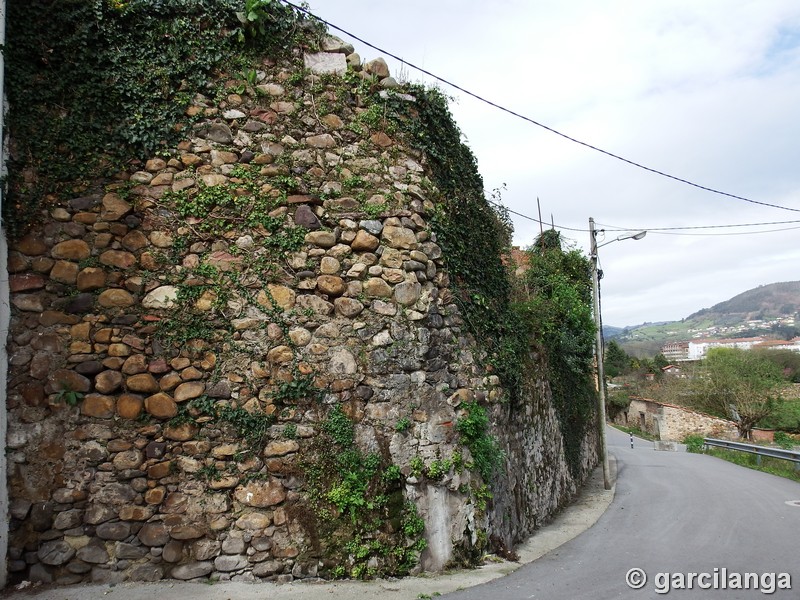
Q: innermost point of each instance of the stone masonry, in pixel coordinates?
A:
(115, 475)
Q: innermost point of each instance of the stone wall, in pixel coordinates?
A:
(181, 333)
(673, 423)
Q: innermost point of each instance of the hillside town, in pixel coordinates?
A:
(698, 348)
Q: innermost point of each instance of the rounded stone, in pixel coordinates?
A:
(134, 240)
(153, 534)
(91, 278)
(71, 250)
(180, 433)
(68, 380)
(343, 363)
(170, 381)
(155, 495)
(301, 336)
(315, 304)
(377, 288)
(142, 382)
(280, 355)
(365, 242)
(192, 570)
(407, 293)
(329, 265)
(323, 239)
(129, 406)
(93, 554)
(161, 297)
(116, 298)
(114, 208)
(161, 406)
(130, 459)
(189, 390)
(331, 285)
(55, 553)
(277, 296)
(227, 563)
(113, 530)
(186, 532)
(118, 258)
(108, 381)
(173, 551)
(98, 406)
(253, 521)
(63, 271)
(159, 470)
(135, 513)
(348, 307)
(261, 494)
(135, 364)
(31, 245)
(281, 448)
(161, 239)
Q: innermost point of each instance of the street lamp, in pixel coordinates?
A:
(598, 321)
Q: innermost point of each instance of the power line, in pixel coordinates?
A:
(534, 122)
(656, 229)
(663, 230)
(656, 232)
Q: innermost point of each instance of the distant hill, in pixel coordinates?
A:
(764, 302)
(771, 310)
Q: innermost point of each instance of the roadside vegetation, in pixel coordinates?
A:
(755, 388)
(774, 466)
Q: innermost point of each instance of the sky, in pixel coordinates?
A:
(706, 91)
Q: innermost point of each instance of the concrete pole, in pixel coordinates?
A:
(598, 352)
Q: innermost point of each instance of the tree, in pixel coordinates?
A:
(617, 361)
(740, 385)
(659, 362)
(787, 360)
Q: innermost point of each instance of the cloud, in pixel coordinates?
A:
(705, 91)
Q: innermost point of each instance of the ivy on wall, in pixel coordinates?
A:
(558, 312)
(93, 83)
(474, 236)
(550, 311)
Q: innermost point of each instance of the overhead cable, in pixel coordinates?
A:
(534, 122)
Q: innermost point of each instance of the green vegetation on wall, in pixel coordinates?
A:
(554, 310)
(558, 312)
(357, 499)
(93, 83)
(473, 428)
(474, 236)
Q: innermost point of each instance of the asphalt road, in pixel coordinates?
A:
(673, 512)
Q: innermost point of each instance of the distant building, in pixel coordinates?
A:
(673, 371)
(675, 351)
(697, 349)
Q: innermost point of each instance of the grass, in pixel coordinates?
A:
(636, 431)
(774, 466)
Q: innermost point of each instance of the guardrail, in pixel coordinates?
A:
(759, 451)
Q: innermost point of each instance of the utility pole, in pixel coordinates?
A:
(598, 351)
(598, 354)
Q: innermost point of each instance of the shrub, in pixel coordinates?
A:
(784, 440)
(694, 443)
